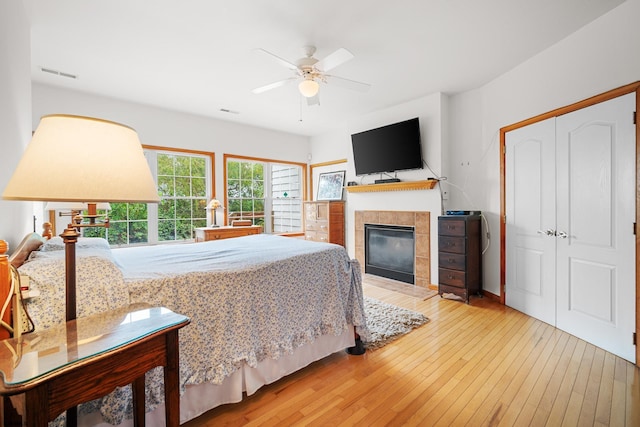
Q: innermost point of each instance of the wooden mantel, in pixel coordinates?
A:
(393, 186)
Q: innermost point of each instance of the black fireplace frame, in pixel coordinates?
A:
(402, 276)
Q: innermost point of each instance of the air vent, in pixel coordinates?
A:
(58, 73)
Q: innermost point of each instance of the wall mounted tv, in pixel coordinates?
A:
(388, 148)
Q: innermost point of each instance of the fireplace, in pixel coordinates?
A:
(419, 220)
(390, 251)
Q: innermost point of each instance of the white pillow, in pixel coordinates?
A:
(57, 244)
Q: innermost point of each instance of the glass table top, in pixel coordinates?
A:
(33, 355)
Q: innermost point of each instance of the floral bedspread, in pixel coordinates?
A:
(248, 299)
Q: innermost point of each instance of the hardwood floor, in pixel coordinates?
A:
(472, 365)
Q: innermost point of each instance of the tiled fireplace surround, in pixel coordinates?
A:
(417, 219)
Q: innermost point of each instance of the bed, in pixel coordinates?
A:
(261, 307)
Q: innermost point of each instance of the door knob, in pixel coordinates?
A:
(562, 235)
(548, 232)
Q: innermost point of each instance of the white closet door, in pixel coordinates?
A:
(596, 213)
(530, 212)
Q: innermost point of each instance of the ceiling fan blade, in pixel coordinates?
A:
(282, 61)
(314, 100)
(334, 59)
(348, 84)
(274, 85)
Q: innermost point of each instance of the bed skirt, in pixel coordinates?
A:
(201, 398)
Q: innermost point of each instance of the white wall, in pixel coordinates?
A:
(166, 128)
(337, 145)
(15, 114)
(601, 56)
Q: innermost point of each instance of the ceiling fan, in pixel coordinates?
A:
(309, 71)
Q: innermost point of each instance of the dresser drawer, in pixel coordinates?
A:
(452, 277)
(324, 221)
(316, 236)
(446, 289)
(452, 261)
(316, 225)
(456, 245)
(452, 227)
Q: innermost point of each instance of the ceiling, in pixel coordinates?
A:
(199, 56)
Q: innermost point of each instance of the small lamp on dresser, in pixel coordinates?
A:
(213, 206)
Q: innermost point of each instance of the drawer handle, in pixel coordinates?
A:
(450, 276)
(451, 260)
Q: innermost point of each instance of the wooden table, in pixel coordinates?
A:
(204, 234)
(87, 358)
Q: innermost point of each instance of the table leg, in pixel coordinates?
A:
(36, 407)
(171, 380)
(137, 388)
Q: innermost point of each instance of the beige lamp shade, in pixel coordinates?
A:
(82, 159)
(213, 204)
(65, 206)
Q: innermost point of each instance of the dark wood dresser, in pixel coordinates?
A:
(459, 255)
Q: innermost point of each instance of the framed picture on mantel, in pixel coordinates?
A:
(330, 185)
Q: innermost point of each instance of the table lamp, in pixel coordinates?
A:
(213, 206)
(86, 160)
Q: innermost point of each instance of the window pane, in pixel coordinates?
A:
(167, 209)
(166, 186)
(137, 211)
(198, 208)
(198, 187)
(165, 164)
(247, 205)
(183, 166)
(258, 189)
(183, 208)
(233, 170)
(198, 167)
(94, 232)
(183, 230)
(258, 171)
(118, 233)
(233, 188)
(183, 187)
(234, 206)
(166, 230)
(138, 232)
(246, 188)
(118, 212)
(246, 171)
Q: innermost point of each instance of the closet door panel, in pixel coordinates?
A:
(595, 217)
(530, 220)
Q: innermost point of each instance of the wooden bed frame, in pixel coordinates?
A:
(5, 286)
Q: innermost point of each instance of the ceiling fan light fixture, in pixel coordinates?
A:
(309, 88)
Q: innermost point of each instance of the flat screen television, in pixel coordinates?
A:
(388, 148)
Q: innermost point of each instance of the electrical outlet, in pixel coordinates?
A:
(445, 195)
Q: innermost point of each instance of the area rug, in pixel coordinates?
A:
(388, 322)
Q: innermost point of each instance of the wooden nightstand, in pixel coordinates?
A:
(86, 358)
(204, 234)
